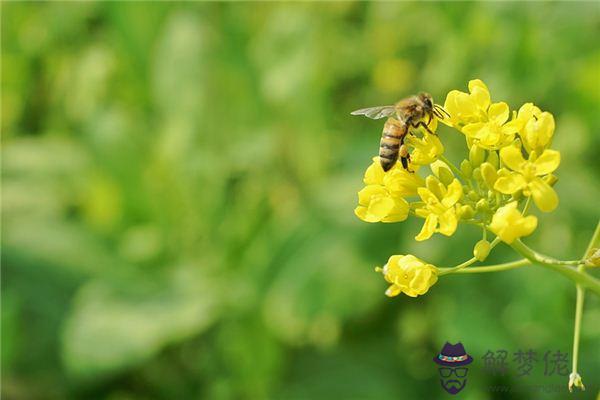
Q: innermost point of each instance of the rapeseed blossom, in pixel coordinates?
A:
(507, 163)
(527, 176)
(409, 275)
(509, 224)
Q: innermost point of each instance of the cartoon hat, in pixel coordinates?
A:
(453, 355)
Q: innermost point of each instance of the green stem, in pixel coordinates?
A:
(579, 304)
(496, 267)
(526, 208)
(473, 260)
(563, 267)
(577, 329)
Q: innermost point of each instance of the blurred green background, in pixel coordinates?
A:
(178, 185)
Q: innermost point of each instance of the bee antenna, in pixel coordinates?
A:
(440, 109)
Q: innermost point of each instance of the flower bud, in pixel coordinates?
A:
(476, 155)
(473, 195)
(493, 159)
(489, 174)
(482, 250)
(482, 205)
(477, 175)
(465, 212)
(466, 168)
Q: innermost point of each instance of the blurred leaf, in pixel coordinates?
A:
(111, 328)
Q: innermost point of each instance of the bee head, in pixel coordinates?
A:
(426, 101)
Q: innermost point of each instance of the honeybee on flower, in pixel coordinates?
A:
(507, 167)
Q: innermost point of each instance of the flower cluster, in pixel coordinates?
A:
(507, 166)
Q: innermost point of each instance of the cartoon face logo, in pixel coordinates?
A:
(452, 362)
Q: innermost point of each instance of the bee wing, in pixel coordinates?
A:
(376, 112)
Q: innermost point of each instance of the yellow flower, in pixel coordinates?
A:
(408, 274)
(536, 128)
(377, 204)
(527, 176)
(427, 149)
(509, 224)
(467, 108)
(439, 208)
(494, 132)
(397, 180)
(484, 123)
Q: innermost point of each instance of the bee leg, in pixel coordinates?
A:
(405, 161)
(424, 125)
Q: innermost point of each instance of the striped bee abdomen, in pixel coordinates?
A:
(391, 140)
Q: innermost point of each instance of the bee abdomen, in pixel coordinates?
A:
(391, 139)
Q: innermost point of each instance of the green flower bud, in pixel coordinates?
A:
(494, 159)
(476, 155)
(445, 175)
(477, 175)
(466, 212)
(489, 174)
(481, 250)
(466, 168)
(482, 206)
(473, 195)
(491, 195)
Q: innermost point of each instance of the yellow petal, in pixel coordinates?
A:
(527, 111)
(364, 196)
(547, 162)
(402, 183)
(453, 194)
(380, 207)
(498, 113)
(420, 282)
(510, 184)
(392, 291)
(428, 228)
(361, 212)
(527, 225)
(512, 157)
(374, 174)
(448, 223)
(479, 93)
(451, 106)
(473, 130)
(427, 196)
(422, 212)
(435, 186)
(544, 196)
(489, 174)
(399, 212)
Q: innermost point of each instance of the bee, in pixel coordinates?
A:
(409, 113)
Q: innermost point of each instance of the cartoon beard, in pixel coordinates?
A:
(453, 386)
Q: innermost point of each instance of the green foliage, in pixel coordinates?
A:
(178, 181)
